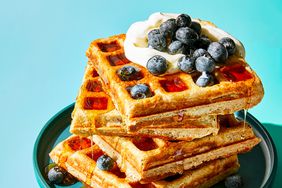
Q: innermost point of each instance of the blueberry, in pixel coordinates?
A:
(140, 91)
(202, 42)
(105, 162)
(186, 35)
(176, 47)
(206, 79)
(56, 175)
(229, 44)
(157, 65)
(156, 40)
(186, 64)
(200, 52)
(128, 73)
(196, 27)
(205, 64)
(183, 20)
(234, 181)
(218, 52)
(168, 27)
(153, 32)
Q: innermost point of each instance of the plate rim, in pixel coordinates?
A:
(39, 177)
(269, 142)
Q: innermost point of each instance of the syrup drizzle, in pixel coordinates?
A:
(245, 117)
(92, 149)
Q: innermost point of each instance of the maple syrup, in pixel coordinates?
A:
(79, 143)
(173, 85)
(116, 171)
(144, 143)
(95, 103)
(139, 185)
(245, 111)
(173, 177)
(109, 47)
(94, 86)
(118, 59)
(95, 73)
(235, 73)
(95, 155)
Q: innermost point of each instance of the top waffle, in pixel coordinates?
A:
(237, 86)
(94, 113)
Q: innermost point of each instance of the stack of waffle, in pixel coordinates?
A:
(182, 136)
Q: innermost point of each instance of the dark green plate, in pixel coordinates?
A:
(258, 167)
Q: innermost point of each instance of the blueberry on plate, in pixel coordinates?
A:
(168, 27)
(157, 65)
(56, 175)
(202, 42)
(183, 20)
(218, 52)
(104, 162)
(205, 64)
(196, 27)
(229, 44)
(186, 64)
(206, 79)
(186, 35)
(128, 73)
(200, 52)
(140, 91)
(176, 47)
(234, 181)
(156, 40)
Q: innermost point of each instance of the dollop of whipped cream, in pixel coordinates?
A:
(136, 42)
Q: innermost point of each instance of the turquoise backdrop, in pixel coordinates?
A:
(42, 56)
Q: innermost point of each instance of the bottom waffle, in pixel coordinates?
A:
(78, 156)
(147, 159)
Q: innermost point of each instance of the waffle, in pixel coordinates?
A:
(147, 159)
(94, 113)
(237, 87)
(80, 161)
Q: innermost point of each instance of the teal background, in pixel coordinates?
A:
(42, 56)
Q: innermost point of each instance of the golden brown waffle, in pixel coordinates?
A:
(238, 87)
(80, 161)
(144, 159)
(94, 113)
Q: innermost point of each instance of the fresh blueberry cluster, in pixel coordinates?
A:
(183, 36)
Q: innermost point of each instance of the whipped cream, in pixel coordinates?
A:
(136, 42)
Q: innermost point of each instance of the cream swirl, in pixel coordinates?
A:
(136, 42)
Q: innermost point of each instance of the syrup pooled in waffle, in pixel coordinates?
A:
(80, 161)
(94, 113)
(237, 87)
(144, 159)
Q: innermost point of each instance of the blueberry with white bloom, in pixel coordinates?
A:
(205, 64)
(218, 52)
(186, 64)
(183, 20)
(229, 44)
(186, 35)
(206, 79)
(176, 47)
(157, 65)
(140, 91)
